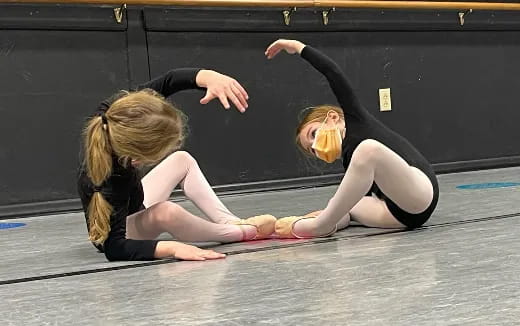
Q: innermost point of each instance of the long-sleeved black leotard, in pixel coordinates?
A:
(362, 125)
(123, 189)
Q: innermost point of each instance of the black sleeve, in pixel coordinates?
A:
(118, 247)
(173, 81)
(119, 191)
(338, 82)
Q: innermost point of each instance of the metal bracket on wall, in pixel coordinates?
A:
(287, 16)
(325, 15)
(463, 14)
(118, 13)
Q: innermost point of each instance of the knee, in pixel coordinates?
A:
(165, 212)
(367, 152)
(184, 157)
(422, 201)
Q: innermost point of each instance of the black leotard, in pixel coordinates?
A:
(362, 125)
(123, 189)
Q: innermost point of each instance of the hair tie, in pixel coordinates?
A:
(97, 188)
(104, 118)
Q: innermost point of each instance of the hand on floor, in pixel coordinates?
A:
(189, 252)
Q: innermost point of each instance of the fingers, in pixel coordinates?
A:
(241, 94)
(206, 99)
(273, 51)
(230, 93)
(210, 254)
(273, 45)
(197, 254)
(290, 46)
(195, 258)
(272, 54)
(236, 94)
(269, 49)
(223, 99)
(227, 90)
(210, 96)
(241, 89)
(201, 255)
(275, 48)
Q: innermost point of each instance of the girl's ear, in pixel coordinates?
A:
(333, 115)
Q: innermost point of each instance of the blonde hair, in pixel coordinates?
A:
(142, 126)
(314, 114)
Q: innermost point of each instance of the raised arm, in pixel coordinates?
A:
(173, 81)
(220, 86)
(338, 82)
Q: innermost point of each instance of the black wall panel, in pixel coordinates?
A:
(453, 87)
(50, 81)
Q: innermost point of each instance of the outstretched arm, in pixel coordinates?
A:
(338, 82)
(129, 249)
(217, 85)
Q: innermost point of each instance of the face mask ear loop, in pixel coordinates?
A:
(321, 127)
(326, 118)
(340, 138)
(323, 123)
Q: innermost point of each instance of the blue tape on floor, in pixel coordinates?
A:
(489, 185)
(11, 225)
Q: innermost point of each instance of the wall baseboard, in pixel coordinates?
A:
(473, 165)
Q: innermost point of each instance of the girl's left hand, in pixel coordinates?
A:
(289, 46)
(224, 88)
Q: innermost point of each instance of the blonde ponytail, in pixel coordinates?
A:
(99, 211)
(98, 159)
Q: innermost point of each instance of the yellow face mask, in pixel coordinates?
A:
(327, 143)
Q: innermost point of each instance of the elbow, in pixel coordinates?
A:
(113, 252)
(112, 256)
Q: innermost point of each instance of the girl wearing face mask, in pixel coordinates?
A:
(388, 183)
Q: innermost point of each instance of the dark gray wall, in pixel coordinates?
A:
(453, 88)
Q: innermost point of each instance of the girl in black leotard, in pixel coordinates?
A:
(125, 214)
(387, 182)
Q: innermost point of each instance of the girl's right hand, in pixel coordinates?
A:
(183, 251)
(189, 252)
(289, 46)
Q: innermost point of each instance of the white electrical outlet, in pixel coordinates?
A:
(385, 100)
